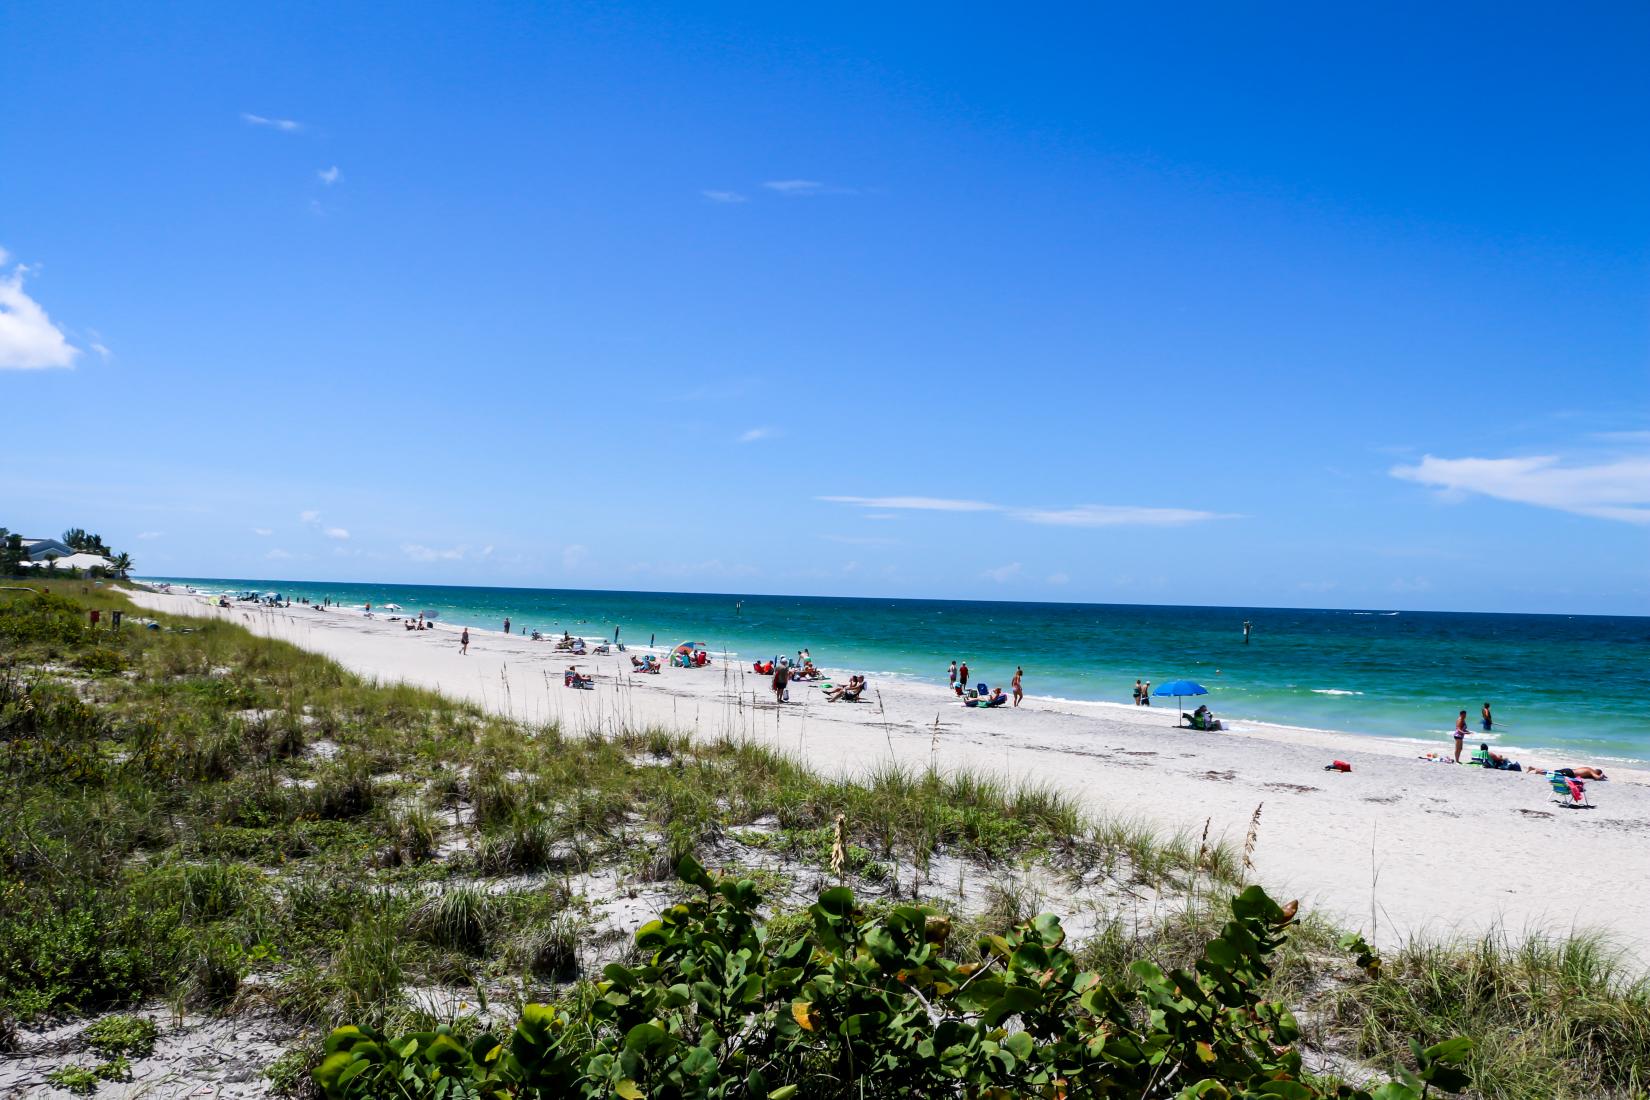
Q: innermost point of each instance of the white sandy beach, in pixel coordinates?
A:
(1418, 848)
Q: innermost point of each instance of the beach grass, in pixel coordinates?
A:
(203, 816)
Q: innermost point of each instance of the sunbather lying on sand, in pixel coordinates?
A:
(1584, 771)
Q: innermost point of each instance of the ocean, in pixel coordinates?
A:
(1577, 683)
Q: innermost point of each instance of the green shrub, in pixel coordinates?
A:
(114, 1036)
(870, 1006)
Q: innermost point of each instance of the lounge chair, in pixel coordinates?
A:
(1572, 793)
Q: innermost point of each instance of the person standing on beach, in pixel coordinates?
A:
(464, 643)
(1146, 694)
(1019, 692)
(951, 676)
(1485, 720)
(962, 675)
(781, 677)
(1138, 692)
(1460, 734)
(506, 624)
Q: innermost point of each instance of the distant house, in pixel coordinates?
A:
(41, 549)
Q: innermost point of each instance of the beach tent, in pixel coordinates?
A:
(1180, 689)
(683, 654)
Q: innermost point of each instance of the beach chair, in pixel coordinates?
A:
(1572, 793)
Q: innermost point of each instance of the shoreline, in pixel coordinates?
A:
(1398, 846)
(1277, 697)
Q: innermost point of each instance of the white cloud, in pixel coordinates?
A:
(1058, 578)
(285, 125)
(328, 176)
(921, 504)
(754, 434)
(1002, 573)
(860, 540)
(573, 556)
(723, 196)
(102, 350)
(277, 555)
(28, 339)
(146, 535)
(1410, 584)
(309, 516)
(1117, 515)
(338, 533)
(429, 553)
(1618, 489)
(795, 187)
(263, 532)
(1083, 515)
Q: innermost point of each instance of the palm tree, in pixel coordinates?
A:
(122, 563)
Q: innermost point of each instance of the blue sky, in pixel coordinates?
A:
(1300, 306)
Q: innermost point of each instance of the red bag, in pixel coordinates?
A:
(1339, 766)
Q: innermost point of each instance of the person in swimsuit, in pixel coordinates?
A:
(1460, 734)
(951, 675)
(464, 642)
(1019, 692)
(962, 675)
(1485, 720)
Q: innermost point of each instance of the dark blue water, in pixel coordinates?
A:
(1575, 682)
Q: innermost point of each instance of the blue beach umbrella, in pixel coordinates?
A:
(1180, 689)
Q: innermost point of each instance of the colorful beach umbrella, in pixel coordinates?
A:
(1181, 689)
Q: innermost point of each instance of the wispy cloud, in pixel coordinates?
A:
(921, 504)
(1003, 573)
(338, 533)
(1117, 515)
(328, 176)
(147, 535)
(1058, 578)
(285, 125)
(28, 339)
(263, 532)
(278, 554)
(573, 556)
(860, 540)
(795, 187)
(309, 516)
(1618, 489)
(723, 196)
(429, 553)
(753, 434)
(1082, 515)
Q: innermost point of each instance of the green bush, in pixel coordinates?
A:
(863, 1006)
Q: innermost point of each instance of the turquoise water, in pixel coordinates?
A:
(1578, 683)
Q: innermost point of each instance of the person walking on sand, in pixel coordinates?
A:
(1485, 720)
(781, 677)
(1460, 734)
(951, 676)
(1019, 692)
(962, 675)
(464, 643)
(1146, 694)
